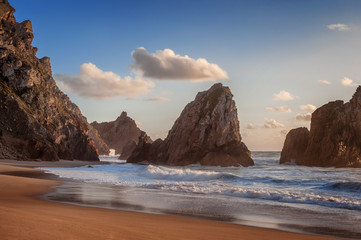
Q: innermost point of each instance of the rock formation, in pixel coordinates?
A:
(121, 134)
(295, 146)
(334, 138)
(37, 120)
(207, 132)
(99, 143)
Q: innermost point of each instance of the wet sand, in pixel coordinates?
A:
(25, 216)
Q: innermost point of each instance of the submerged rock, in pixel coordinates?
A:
(334, 138)
(206, 132)
(121, 134)
(37, 120)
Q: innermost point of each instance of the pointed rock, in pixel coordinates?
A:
(121, 134)
(206, 132)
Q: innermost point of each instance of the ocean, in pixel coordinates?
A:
(293, 198)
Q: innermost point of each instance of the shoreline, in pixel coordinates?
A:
(26, 216)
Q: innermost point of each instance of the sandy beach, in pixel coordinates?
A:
(24, 216)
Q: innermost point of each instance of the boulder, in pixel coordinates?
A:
(206, 132)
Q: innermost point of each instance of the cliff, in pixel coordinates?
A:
(37, 120)
(206, 132)
(334, 138)
(121, 134)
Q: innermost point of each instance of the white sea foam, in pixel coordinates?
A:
(291, 184)
(112, 160)
(180, 174)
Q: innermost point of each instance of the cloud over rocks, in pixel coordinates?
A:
(271, 123)
(279, 109)
(304, 117)
(308, 107)
(338, 27)
(166, 65)
(283, 96)
(347, 82)
(92, 82)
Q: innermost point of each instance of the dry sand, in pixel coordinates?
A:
(23, 216)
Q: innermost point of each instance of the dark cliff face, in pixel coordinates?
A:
(206, 132)
(335, 135)
(121, 134)
(37, 120)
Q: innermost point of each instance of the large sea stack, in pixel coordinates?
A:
(333, 140)
(206, 132)
(37, 120)
(122, 135)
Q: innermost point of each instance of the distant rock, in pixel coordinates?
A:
(206, 132)
(334, 138)
(295, 146)
(37, 120)
(121, 134)
(99, 143)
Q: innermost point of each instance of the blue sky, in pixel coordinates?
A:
(265, 47)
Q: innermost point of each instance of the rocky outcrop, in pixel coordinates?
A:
(99, 143)
(206, 132)
(295, 146)
(122, 135)
(334, 138)
(37, 120)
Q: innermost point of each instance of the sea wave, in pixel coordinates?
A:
(183, 174)
(354, 187)
(300, 185)
(286, 196)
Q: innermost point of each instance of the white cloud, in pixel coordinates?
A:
(304, 117)
(308, 107)
(283, 96)
(250, 126)
(158, 99)
(271, 123)
(166, 65)
(339, 27)
(348, 82)
(324, 82)
(92, 82)
(279, 109)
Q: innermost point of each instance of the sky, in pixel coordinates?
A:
(281, 59)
